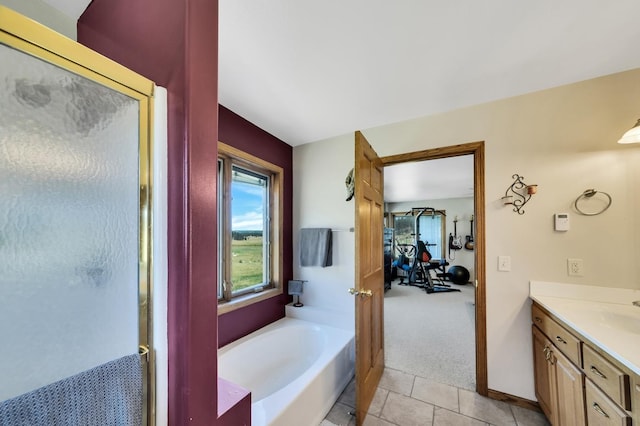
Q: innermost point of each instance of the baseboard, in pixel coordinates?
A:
(514, 400)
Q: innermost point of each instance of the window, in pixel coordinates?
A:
(430, 231)
(249, 229)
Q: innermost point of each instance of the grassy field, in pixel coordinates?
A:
(247, 262)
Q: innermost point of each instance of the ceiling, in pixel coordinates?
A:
(306, 71)
(429, 180)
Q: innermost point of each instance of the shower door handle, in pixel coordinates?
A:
(361, 292)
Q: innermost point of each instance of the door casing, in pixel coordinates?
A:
(477, 150)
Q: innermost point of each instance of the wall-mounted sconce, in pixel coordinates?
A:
(518, 194)
(632, 135)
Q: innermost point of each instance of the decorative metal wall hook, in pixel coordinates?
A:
(518, 194)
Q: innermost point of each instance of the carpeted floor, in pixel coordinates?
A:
(431, 335)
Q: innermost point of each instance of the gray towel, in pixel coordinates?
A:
(315, 247)
(110, 394)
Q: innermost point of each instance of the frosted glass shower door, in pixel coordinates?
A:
(72, 201)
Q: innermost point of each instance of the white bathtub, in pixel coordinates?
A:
(294, 369)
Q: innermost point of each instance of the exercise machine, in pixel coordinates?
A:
(418, 271)
(421, 271)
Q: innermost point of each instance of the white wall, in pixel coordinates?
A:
(319, 202)
(462, 208)
(160, 256)
(564, 140)
(45, 14)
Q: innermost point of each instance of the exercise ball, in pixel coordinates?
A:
(458, 274)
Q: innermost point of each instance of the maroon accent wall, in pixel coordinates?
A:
(174, 43)
(240, 133)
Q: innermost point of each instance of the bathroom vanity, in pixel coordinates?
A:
(586, 352)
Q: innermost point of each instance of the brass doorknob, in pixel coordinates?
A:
(361, 292)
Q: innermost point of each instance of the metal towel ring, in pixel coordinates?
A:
(588, 194)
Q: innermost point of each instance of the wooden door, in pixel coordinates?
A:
(369, 294)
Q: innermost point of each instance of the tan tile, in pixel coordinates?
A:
(375, 421)
(436, 393)
(348, 396)
(497, 413)
(525, 417)
(339, 414)
(379, 398)
(397, 381)
(444, 417)
(405, 411)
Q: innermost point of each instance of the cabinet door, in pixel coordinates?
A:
(570, 391)
(544, 376)
(635, 394)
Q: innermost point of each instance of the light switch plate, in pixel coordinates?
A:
(504, 263)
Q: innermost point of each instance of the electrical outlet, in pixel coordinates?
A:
(504, 263)
(574, 267)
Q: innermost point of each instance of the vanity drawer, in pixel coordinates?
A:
(539, 318)
(601, 411)
(607, 376)
(568, 344)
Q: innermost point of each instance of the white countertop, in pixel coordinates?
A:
(604, 315)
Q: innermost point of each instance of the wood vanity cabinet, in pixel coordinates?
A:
(570, 384)
(545, 375)
(577, 384)
(635, 399)
(559, 383)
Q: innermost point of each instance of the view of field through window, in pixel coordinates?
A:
(249, 214)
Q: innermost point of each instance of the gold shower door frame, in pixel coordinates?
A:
(30, 37)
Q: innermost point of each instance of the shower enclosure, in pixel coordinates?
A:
(75, 212)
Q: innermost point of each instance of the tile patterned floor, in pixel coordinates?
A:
(406, 400)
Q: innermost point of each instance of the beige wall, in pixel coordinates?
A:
(45, 14)
(564, 140)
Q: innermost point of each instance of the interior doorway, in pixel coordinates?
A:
(475, 291)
